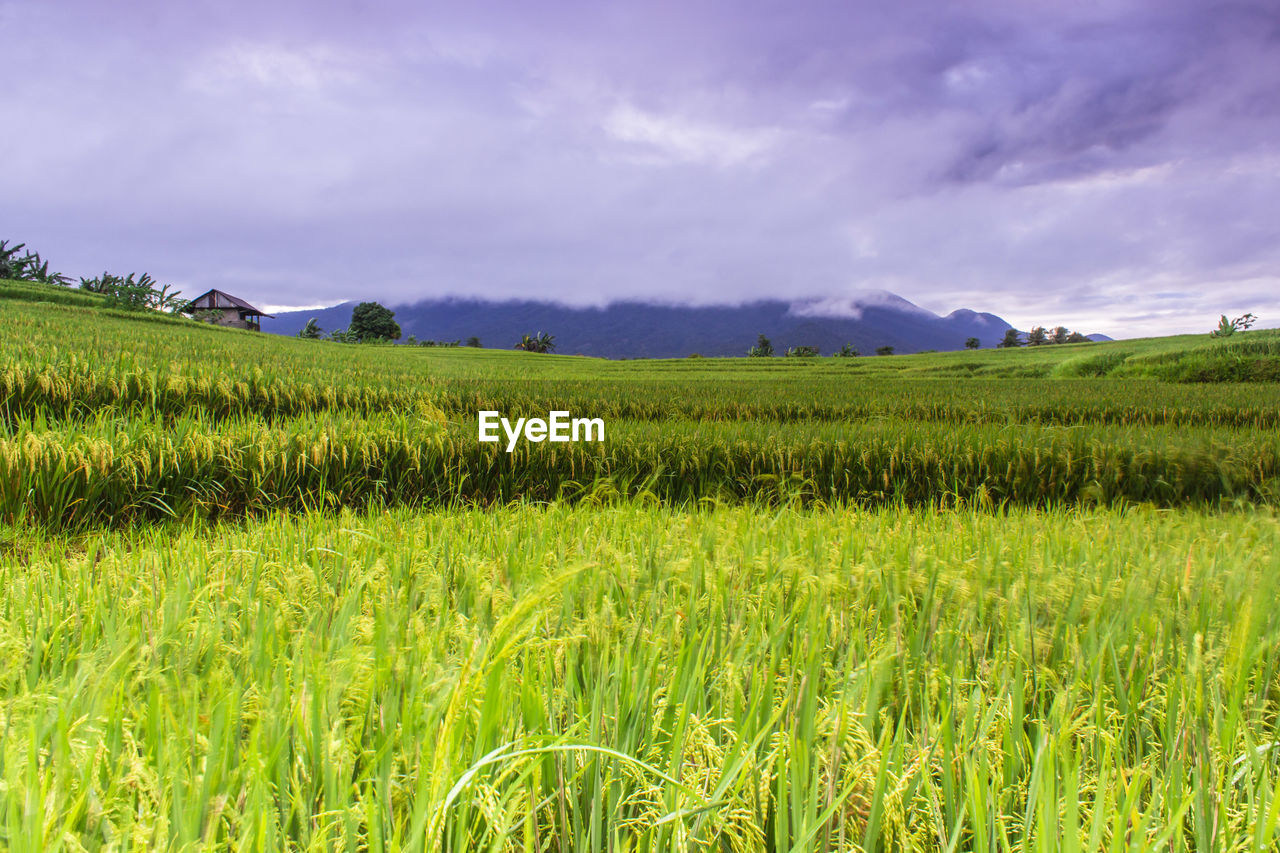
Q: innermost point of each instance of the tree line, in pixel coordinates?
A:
(1039, 336)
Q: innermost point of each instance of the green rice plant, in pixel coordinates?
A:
(74, 389)
(118, 471)
(639, 677)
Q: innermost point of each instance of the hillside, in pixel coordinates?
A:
(80, 319)
(638, 330)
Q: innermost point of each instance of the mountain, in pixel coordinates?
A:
(641, 330)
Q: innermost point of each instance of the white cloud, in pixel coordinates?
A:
(830, 106)
(239, 65)
(675, 139)
(853, 304)
(967, 77)
(282, 309)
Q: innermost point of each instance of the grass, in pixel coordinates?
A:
(264, 593)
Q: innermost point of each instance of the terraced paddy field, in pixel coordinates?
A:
(262, 593)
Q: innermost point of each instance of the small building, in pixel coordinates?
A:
(223, 309)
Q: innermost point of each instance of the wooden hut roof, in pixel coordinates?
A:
(218, 299)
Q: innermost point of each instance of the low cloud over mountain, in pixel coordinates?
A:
(640, 330)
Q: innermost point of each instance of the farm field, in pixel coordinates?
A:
(264, 593)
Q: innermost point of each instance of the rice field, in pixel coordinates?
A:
(645, 677)
(268, 594)
(116, 471)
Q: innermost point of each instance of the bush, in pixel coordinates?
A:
(344, 336)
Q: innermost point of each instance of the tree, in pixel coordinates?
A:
(473, 341)
(802, 352)
(1077, 338)
(1227, 329)
(846, 351)
(1010, 339)
(1036, 336)
(1059, 335)
(972, 343)
(762, 349)
(373, 322)
(541, 342)
(311, 331)
(885, 350)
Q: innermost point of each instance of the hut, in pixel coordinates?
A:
(223, 309)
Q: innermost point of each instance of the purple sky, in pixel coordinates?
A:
(1113, 166)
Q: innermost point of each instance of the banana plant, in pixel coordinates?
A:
(541, 342)
(27, 267)
(134, 291)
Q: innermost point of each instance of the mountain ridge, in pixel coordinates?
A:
(633, 329)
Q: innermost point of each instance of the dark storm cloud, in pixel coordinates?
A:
(1050, 162)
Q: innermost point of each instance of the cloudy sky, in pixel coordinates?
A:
(1113, 166)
